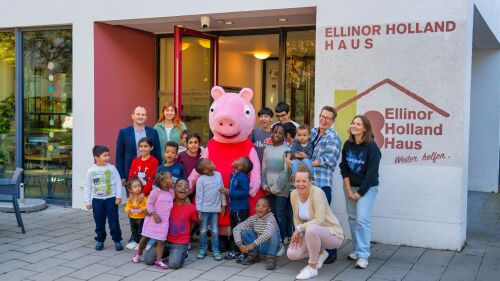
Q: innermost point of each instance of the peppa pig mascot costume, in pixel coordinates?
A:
(232, 119)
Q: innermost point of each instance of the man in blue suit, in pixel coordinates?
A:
(128, 140)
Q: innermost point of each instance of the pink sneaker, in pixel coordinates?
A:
(136, 258)
(160, 265)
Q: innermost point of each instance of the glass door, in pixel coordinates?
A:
(195, 73)
(299, 74)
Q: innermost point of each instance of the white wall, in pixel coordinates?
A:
(421, 203)
(485, 121)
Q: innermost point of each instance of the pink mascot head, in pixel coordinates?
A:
(231, 116)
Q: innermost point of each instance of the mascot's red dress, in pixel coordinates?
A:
(231, 119)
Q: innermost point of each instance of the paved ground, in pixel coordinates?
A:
(59, 245)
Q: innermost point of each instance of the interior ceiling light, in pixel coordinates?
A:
(179, 25)
(282, 19)
(205, 43)
(261, 55)
(228, 22)
(220, 21)
(185, 46)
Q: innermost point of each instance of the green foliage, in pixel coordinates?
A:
(7, 47)
(7, 113)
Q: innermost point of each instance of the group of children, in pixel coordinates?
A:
(160, 209)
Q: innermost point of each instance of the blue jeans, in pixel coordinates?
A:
(213, 220)
(176, 254)
(102, 209)
(269, 248)
(278, 207)
(359, 221)
(296, 164)
(328, 192)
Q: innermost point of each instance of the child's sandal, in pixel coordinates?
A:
(160, 265)
(136, 258)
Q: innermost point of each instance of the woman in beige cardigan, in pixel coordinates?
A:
(316, 228)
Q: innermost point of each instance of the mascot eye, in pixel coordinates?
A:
(247, 110)
(212, 108)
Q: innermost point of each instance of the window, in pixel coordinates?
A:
(7, 103)
(47, 116)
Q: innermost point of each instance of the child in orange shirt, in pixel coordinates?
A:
(136, 211)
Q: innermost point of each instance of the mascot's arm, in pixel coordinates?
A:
(193, 177)
(255, 173)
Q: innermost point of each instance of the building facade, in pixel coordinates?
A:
(424, 72)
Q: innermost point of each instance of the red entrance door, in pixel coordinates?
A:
(195, 73)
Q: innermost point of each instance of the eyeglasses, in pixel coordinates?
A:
(325, 117)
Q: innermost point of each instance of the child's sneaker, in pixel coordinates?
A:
(131, 245)
(230, 256)
(136, 258)
(217, 256)
(240, 257)
(270, 263)
(160, 265)
(201, 254)
(281, 250)
(250, 259)
(118, 246)
(99, 246)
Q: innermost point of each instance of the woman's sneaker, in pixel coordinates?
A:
(217, 256)
(307, 273)
(321, 259)
(352, 256)
(99, 246)
(159, 264)
(131, 245)
(361, 263)
(201, 254)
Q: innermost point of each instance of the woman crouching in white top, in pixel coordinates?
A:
(316, 228)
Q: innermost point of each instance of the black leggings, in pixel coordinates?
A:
(236, 218)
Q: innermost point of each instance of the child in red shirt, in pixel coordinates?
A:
(182, 215)
(144, 167)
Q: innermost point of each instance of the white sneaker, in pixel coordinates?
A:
(281, 250)
(307, 273)
(136, 247)
(131, 245)
(321, 259)
(361, 263)
(352, 256)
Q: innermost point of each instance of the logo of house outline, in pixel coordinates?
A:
(401, 89)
